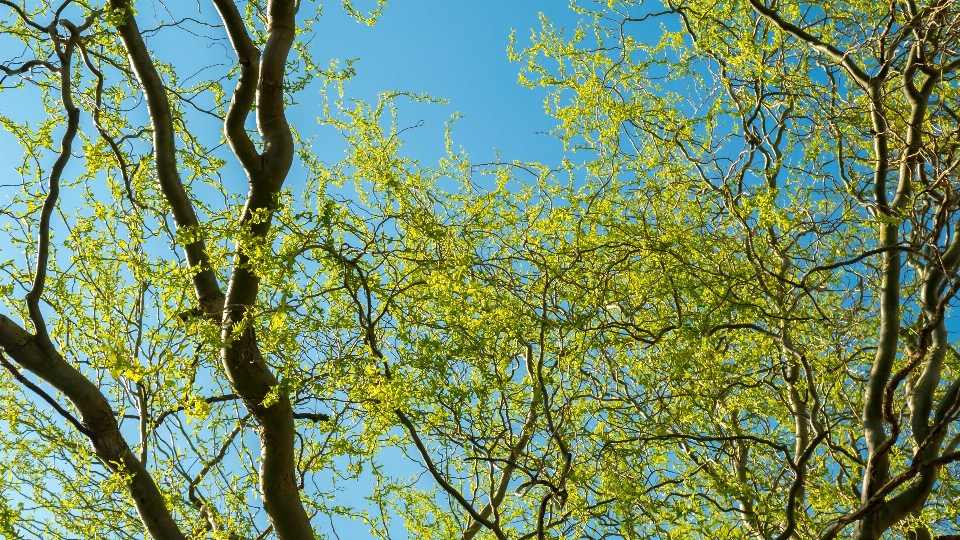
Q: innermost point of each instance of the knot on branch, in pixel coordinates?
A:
(271, 85)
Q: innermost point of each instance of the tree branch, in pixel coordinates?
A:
(452, 491)
(53, 188)
(46, 397)
(205, 283)
(245, 93)
(814, 42)
(99, 419)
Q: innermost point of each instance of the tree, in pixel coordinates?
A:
(376, 309)
(819, 142)
(725, 314)
(61, 48)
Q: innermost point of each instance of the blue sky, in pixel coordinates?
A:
(454, 50)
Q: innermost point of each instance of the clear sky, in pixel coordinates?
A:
(454, 50)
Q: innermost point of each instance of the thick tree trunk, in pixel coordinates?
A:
(261, 83)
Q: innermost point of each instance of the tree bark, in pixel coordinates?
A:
(261, 84)
(99, 419)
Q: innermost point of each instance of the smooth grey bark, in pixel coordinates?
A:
(261, 83)
(881, 385)
(872, 417)
(744, 501)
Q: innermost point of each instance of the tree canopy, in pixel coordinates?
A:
(725, 313)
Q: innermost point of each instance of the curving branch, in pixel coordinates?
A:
(874, 503)
(246, 369)
(815, 43)
(25, 17)
(45, 396)
(65, 53)
(29, 65)
(204, 280)
(435, 473)
(248, 56)
(245, 366)
(114, 144)
(526, 433)
(98, 420)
